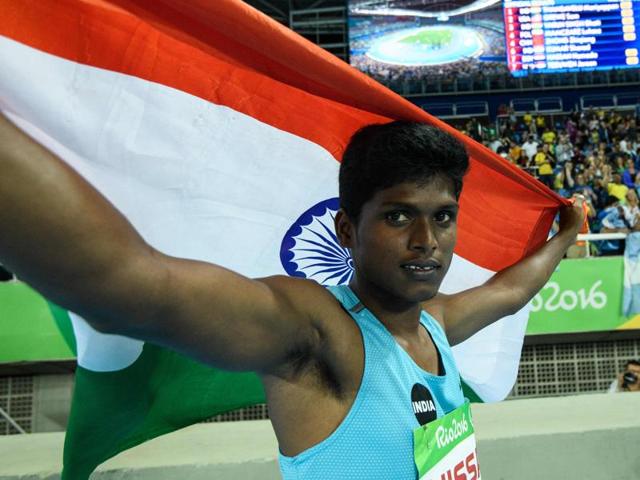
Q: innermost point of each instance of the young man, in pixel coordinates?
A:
(341, 368)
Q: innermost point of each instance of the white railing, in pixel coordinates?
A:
(593, 237)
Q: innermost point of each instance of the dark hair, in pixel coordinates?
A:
(383, 155)
(610, 200)
(632, 362)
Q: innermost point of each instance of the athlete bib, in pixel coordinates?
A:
(445, 449)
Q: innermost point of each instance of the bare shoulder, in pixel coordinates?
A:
(307, 297)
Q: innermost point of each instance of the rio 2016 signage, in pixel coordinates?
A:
(569, 300)
(581, 296)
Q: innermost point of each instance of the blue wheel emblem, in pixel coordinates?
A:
(310, 248)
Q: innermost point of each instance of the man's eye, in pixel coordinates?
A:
(444, 216)
(397, 217)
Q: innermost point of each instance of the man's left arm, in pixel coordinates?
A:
(467, 312)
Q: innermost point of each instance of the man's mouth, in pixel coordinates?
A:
(422, 267)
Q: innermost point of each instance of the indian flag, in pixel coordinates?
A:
(218, 133)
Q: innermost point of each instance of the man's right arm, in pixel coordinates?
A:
(66, 240)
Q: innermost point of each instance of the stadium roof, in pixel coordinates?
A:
(421, 8)
(279, 9)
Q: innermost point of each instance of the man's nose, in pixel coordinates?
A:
(422, 236)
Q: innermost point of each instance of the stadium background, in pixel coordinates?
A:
(485, 102)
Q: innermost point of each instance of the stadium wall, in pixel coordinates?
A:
(588, 437)
(551, 365)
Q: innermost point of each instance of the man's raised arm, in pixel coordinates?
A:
(467, 312)
(65, 239)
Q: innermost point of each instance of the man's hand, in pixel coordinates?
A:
(572, 216)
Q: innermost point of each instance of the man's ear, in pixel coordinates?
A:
(345, 229)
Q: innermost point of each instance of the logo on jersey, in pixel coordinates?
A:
(424, 408)
(310, 248)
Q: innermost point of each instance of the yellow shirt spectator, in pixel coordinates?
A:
(527, 118)
(618, 190)
(514, 153)
(548, 137)
(544, 166)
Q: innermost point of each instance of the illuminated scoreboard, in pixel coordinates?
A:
(549, 36)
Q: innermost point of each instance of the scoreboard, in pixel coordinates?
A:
(547, 36)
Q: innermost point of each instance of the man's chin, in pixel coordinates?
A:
(422, 293)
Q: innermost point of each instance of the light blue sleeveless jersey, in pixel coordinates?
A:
(375, 439)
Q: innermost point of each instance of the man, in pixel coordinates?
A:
(515, 152)
(564, 150)
(495, 144)
(548, 136)
(579, 184)
(340, 367)
(628, 380)
(530, 147)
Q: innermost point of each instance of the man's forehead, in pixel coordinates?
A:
(437, 189)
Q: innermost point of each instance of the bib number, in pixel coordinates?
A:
(445, 449)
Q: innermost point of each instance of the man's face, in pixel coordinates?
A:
(635, 369)
(403, 242)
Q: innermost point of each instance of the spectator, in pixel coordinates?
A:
(530, 147)
(629, 174)
(548, 136)
(613, 220)
(515, 151)
(580, 186)
(544, 162)
(631, 210)
(597, 154)
(616, 188)
(601, 194)
(628, 380)
(503, 149)
(622, 218)
(495, 144)
(564, 150)
(572, 130)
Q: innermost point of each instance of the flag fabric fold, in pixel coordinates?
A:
(218, 133)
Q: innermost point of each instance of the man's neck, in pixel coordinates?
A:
(401, 318)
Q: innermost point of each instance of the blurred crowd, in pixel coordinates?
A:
(593, 152)
(400, 78)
